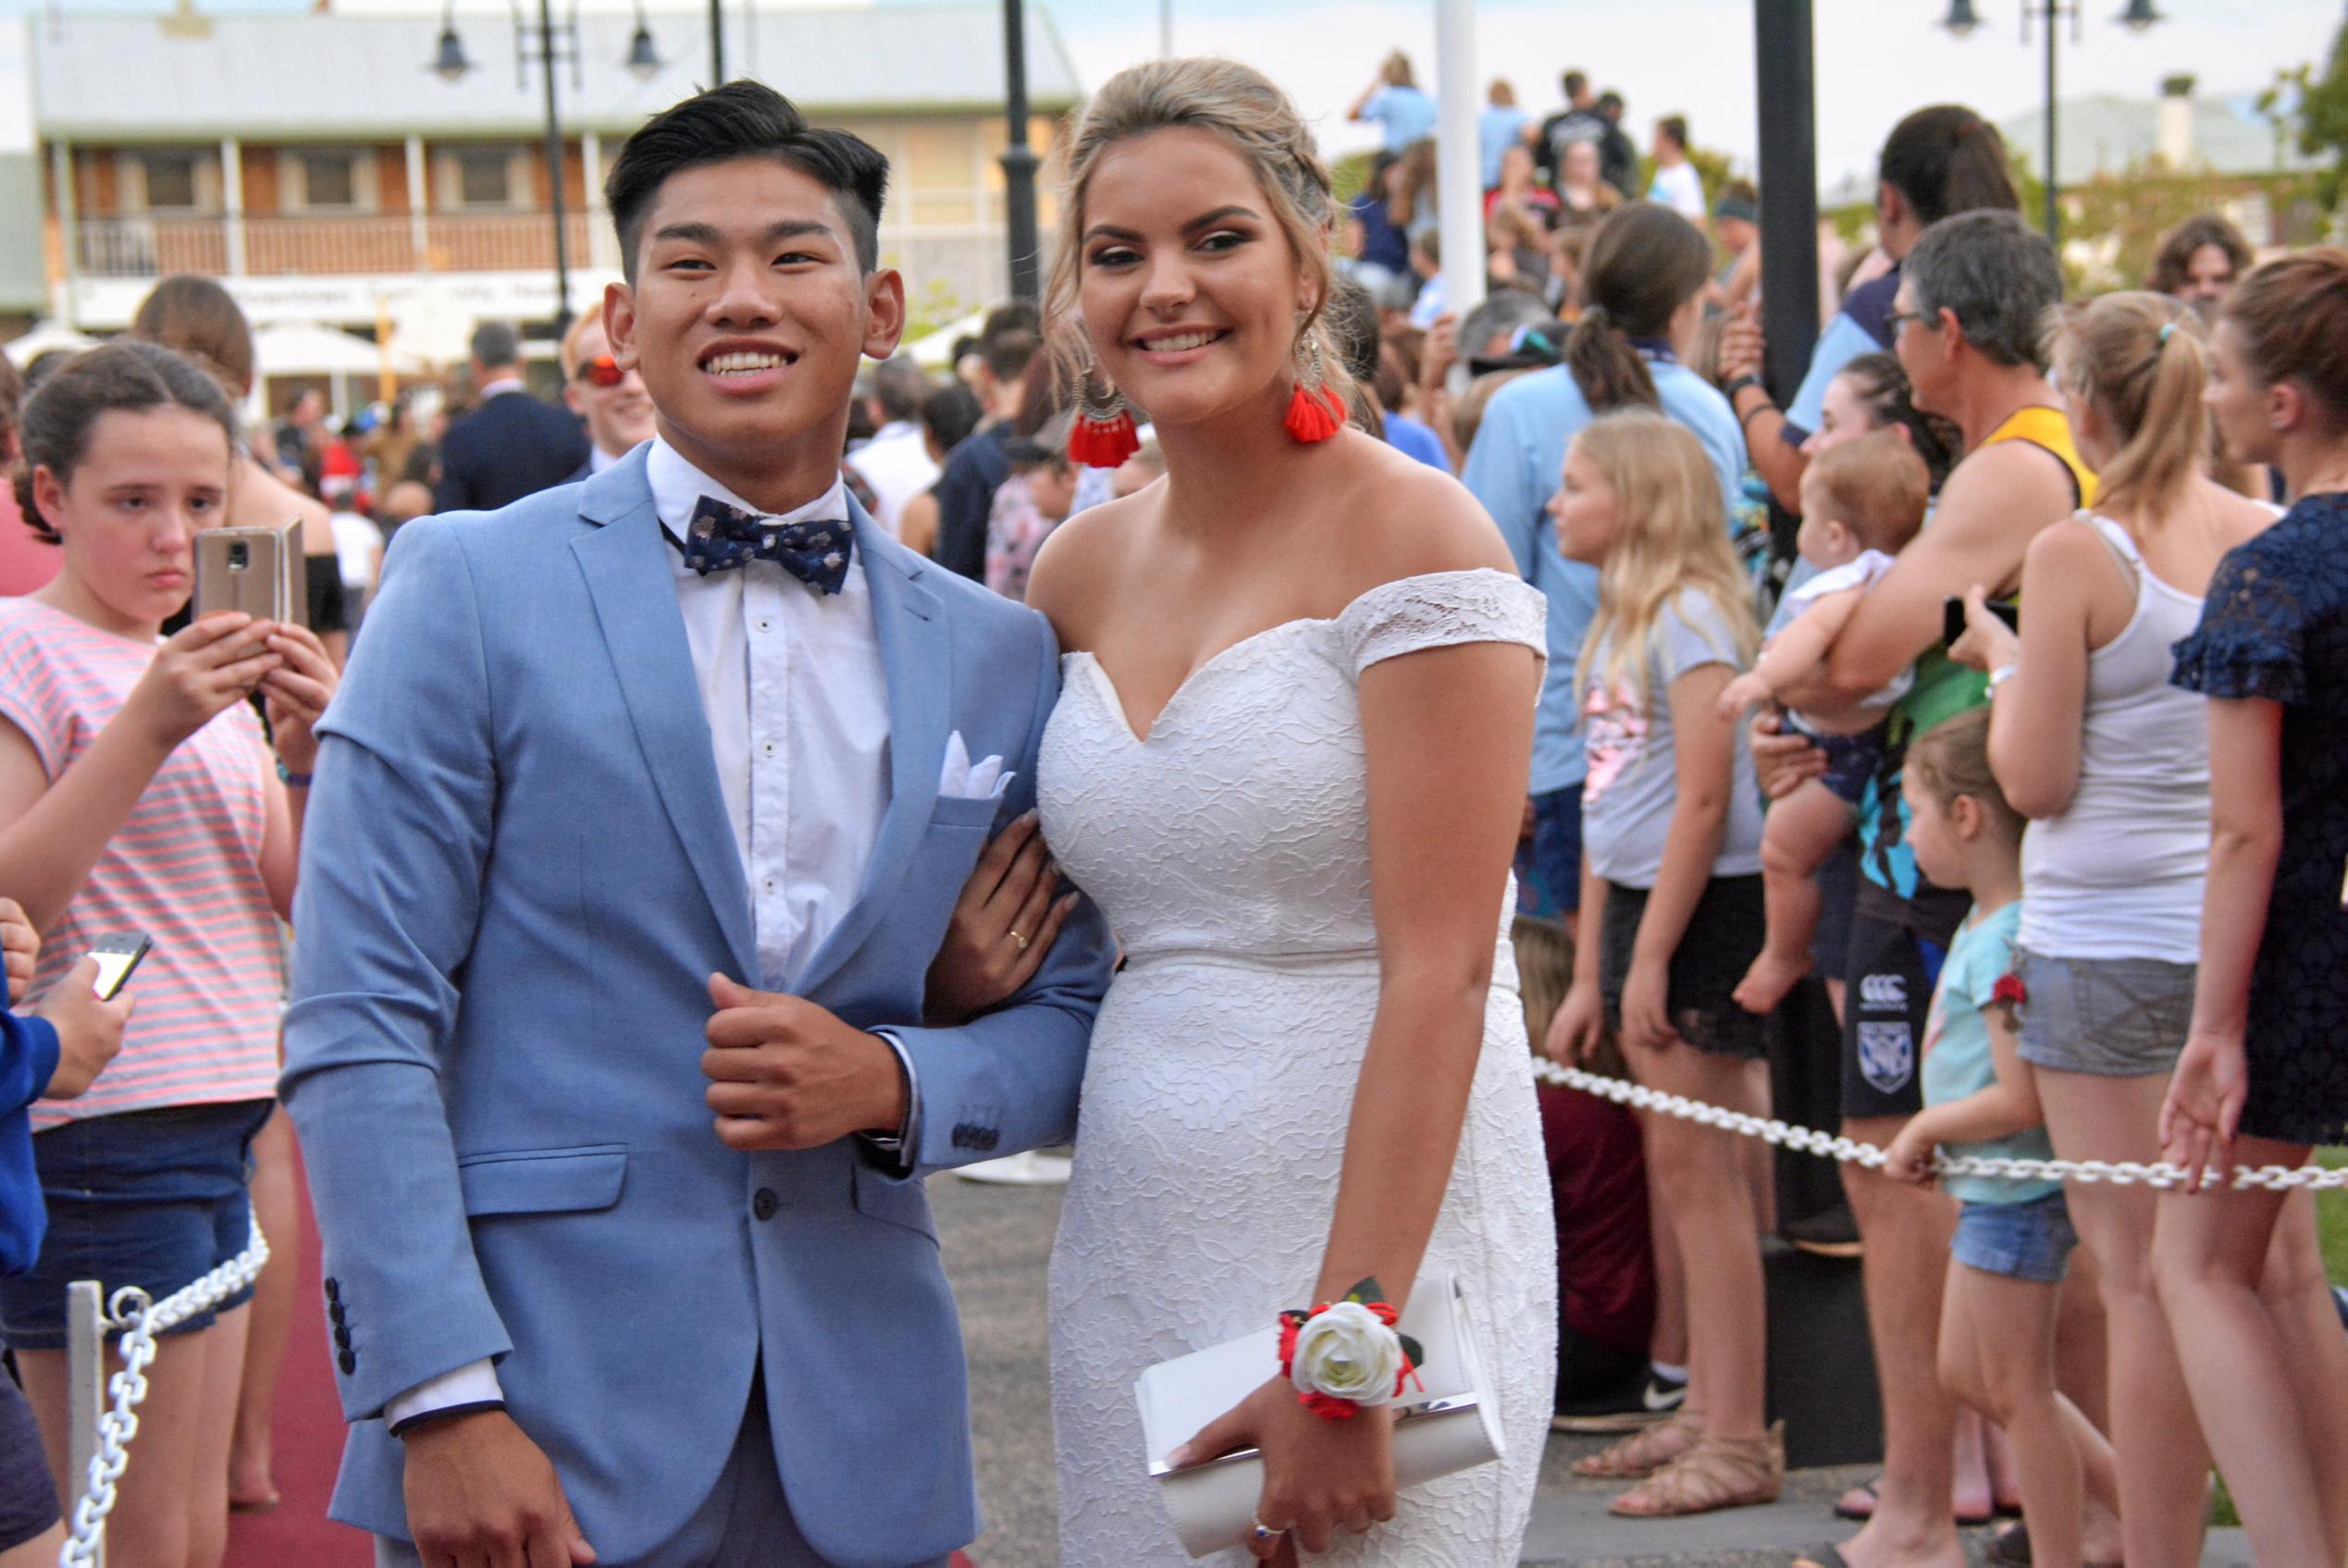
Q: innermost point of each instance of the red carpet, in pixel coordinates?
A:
(309, 1446)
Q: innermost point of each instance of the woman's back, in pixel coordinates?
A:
(2119, 872)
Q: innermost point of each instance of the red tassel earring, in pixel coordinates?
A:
(1104, 434)
(1315, 410)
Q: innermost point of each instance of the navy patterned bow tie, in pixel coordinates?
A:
(721, 537)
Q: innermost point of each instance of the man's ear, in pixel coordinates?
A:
(884, 312)
(619, 325)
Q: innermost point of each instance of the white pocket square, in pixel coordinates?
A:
(959, 780)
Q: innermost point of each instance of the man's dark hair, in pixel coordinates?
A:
(1609, 103)
(1576, 85)
(746, 120)
(1674, 126)
(950, 414)
(1013, 333)
(495, 343)
(900, 386)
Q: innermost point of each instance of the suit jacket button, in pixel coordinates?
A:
(348, 1360)
(333, 1289)
(341, 1337)
(763, 1203)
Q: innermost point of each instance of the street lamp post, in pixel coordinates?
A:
(1784, 63)
(551, 43)
(1019, 158)
(2138, 16)
(717, 43)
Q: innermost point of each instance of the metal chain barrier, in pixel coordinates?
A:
(140, 1321)
(2273, 1178)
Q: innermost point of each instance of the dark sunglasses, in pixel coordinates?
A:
(600, 371)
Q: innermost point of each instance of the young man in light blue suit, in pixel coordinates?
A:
(637, 826)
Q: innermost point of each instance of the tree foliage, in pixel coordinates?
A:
(2322, 115)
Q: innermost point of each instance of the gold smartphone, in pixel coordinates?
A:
(241, 569)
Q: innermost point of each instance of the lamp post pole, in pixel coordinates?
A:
(2049, 17)
(555, 173)
(1786, 69)
(1019, 158)
(717, 43)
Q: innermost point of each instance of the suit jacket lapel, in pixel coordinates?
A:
(916, 659)
(634, 588)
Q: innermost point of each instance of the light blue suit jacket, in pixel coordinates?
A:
(517, 874)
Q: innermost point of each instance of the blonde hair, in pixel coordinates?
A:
(1673, 539)
(1876, 487)
(2141, 359)
(1502, 93)
(1952, 758)
(1239, 104)
(567, 353)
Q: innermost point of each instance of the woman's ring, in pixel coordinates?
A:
(1266, 1533)
(1021, 939)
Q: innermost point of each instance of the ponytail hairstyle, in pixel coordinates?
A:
(62, 414)
(1645, 262)
(2141, 360)
(1673, 540)
(1945, 160)
(2291, 317)
(1881, 382)
(1239, 104)
(1952, 758)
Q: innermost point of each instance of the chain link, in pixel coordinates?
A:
(141, 1321)
(2117, 1173)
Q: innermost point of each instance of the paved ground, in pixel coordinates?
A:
(996, 1240)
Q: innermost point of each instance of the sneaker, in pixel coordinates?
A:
(1831, 1234)
(1631, 1408)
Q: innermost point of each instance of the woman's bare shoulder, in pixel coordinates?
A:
(1405, 519)
(1079, 561)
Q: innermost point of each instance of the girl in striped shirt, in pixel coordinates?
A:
(138, 793)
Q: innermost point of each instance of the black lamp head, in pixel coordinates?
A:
(1962, 18)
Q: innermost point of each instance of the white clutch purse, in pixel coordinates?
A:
(1448, 1427)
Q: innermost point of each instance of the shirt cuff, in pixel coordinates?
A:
(474, 1384)
(903, 1149)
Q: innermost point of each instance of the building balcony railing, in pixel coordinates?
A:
(325, 245)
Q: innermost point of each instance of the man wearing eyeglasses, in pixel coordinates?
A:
(613, 402)
(510, 445)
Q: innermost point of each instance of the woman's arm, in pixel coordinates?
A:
(2037, 713)
(1579, 1023)
(1449, 732)
(2211, 1080)
(297, 695)
(1704, 758)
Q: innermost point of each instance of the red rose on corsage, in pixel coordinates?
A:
(1343, 1355)
(2010, 990)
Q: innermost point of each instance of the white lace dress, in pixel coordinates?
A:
(1230, 852)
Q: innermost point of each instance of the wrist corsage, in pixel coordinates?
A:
(1346, 1354)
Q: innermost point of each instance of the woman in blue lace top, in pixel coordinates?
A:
(2264, 1075)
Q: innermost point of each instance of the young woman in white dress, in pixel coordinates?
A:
(1289, 762)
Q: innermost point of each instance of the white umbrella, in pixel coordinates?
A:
(49, 335)
(934, 352)
(322, 351)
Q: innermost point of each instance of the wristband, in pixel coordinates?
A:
(1738, 385)
(292, 779)
(446, 1412)
(2000, 675)
(1344, 1356)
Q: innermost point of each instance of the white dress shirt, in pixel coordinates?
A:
(798, 704)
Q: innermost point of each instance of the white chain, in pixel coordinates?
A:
(2120, 1173)
(140, 1321)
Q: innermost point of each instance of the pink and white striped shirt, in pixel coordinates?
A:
(185, 868)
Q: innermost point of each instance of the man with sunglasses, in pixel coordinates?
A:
(617, 409)
(510, 445)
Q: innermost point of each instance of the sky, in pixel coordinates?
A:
(1876, 60)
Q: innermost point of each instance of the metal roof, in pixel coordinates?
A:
(299, 76)
(2107, 133)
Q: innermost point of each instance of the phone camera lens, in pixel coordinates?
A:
(240, 556)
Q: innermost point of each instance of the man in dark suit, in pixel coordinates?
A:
(512, 445)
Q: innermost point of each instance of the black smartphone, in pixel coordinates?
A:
(1952, 618)
(117, 957)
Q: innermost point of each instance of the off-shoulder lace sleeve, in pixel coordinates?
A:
(2251, 633)
(1441, 610)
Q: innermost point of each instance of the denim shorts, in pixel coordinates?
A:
(155, 1198)
(2113, 1017)
(28, 1496)
(2030, 1240)
(1851, 759)
(1549, 866)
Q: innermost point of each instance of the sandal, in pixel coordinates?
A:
(1717, 1472)
(1642, 1454)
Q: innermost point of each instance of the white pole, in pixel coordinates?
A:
(1459, 167)
(85, 1390)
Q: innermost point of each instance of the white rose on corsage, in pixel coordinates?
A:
(1345, 1355)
